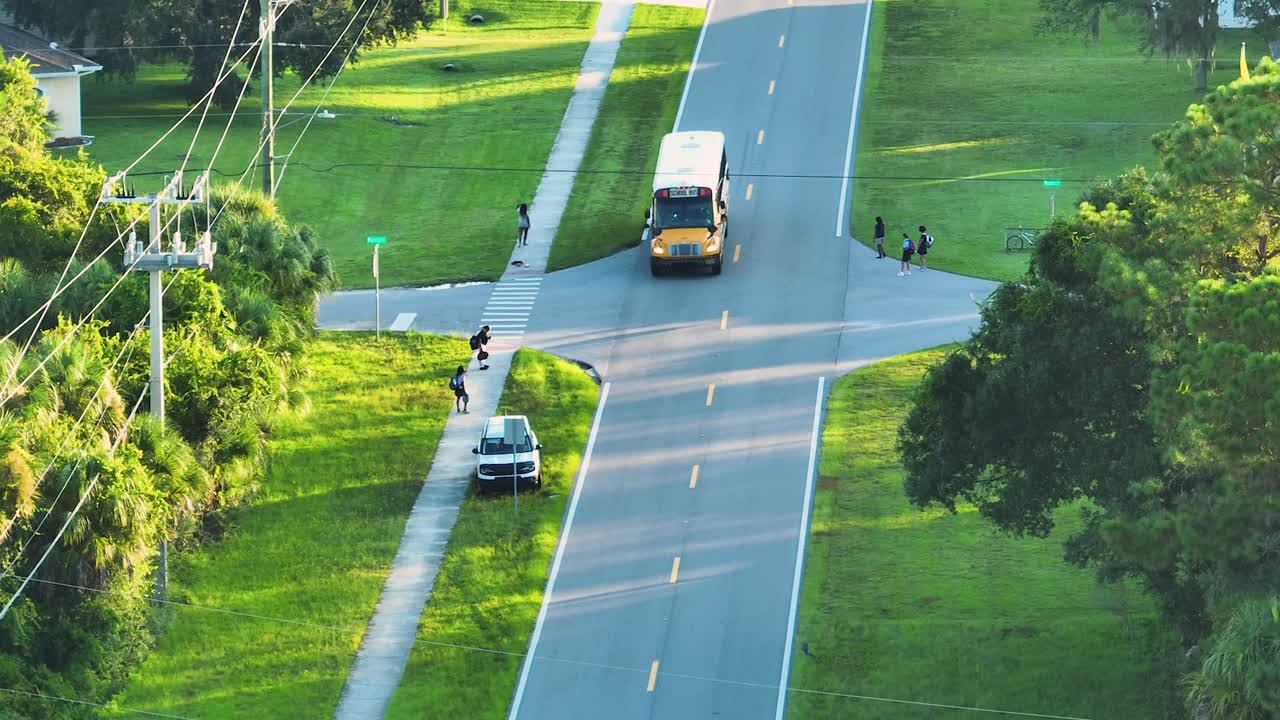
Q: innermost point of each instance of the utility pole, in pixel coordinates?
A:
(155, 261)
(268, 23)
(444, 9)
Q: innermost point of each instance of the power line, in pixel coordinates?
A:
(126, 352)
(72, 515)
(1051, 57)
(646, 173)
(559, 119)
(568, 661)
(244, 8)
(58, 290)
(188, 46)
(76, 701)
(311, 118)
(269, 138)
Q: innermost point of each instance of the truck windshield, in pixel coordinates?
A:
(685, 212)
(495, 446)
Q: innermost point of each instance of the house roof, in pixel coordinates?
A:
(47, 59)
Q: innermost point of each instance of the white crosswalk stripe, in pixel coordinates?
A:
(509, 308)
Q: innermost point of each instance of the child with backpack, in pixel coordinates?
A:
(908, 249)
(478, 341)
(926, 242)
(458, 384)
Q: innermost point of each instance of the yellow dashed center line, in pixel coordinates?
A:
(760, 138)
(772, 85)
(724, 319)
(711, 394)
(693, 478)
(782, 40)
(675, 569)
(750, 188)
(737, 252)
(653, 675)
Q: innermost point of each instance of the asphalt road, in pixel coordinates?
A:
(718, 633)
(802, 304)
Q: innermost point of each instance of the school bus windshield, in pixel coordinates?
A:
(685, 212)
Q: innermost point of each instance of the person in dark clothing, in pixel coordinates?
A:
(922, 247)
(908, 249)
(458, 384)
(478, 341)
(879, 237)
(523, 224)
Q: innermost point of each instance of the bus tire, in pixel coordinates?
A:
(718, 265)
(655, 267)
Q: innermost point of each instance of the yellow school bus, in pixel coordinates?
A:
(688, 219)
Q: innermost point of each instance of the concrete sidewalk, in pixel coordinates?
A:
(384, 650)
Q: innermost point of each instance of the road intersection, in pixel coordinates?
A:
(676, 587)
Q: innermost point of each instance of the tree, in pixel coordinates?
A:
(1137, 367)
(200, 30)
(1187, 28)
(44, 202)
(1240, 676)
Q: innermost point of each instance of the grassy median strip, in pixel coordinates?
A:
(940, 608)
(606, 209)
(435, 160)
(314, 547)
(965, 96)
(494, 572)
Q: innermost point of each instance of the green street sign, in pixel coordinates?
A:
(377, 239)
(1053, 183)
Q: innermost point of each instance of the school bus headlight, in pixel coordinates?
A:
(658, 249)
(713, 245)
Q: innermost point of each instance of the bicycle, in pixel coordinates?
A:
(1017, 239)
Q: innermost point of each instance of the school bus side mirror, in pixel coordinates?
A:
(723, 218)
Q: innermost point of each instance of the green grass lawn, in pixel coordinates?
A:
(315, 546)
(606, 210)
(495, 569)
(941, 608)
(967, 89)
(501, 109)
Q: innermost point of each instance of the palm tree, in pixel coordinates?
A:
(17, 479)
(77, 377)
(186, 488)
(1240, 677)
(114, 531)
(20, 294)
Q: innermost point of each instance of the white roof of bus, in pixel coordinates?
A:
(689, 158)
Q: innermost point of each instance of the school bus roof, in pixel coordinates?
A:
(689, 158)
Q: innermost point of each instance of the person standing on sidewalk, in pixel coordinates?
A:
(458, 384)
(879, 238)
(478, 341)
(522, 238)
(908, 249)
(922, 249)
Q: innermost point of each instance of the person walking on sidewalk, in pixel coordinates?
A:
(922, 249)
(879, 238)
(478, 341)
(908, 249)
(458, 384)
(523, 237)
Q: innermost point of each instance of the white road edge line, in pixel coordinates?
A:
(555, 563)
(853, 121)
(800, 544)
(693, 64)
